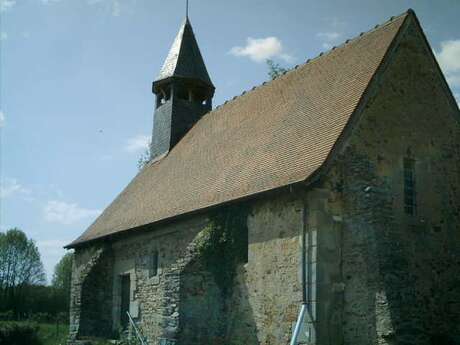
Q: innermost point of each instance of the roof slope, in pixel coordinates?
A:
(184, 58)
(278, 134)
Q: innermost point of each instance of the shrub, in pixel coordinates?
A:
(19, 333)
(40, 317)
(6, 315)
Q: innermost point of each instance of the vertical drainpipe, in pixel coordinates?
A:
(303, 309)
(304, 252)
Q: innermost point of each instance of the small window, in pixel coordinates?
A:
(163, 96)
(410, 197)
(153, 264)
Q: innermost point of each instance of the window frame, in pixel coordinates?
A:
(153, 263)
(409, 186)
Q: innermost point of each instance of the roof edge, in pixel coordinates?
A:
(261, 194)
(408, 12)
(369, 91)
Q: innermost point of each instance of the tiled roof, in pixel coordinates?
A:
(277, 134)
(184, 59)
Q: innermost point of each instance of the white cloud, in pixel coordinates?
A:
(449, 56)
(138, 143)
(5, 5)
(329, 36)
(10, 187)
(3, 36)
(66, 213)
(261, 49)
(449, 60)
(2, 118)
(453, 79)
(106, 157)
(51, 252)
(113, 5)
(329, 39)
(51, 245)
(116, 8)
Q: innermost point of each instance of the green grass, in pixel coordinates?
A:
(50, 335)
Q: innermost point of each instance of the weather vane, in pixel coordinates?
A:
(186, 8)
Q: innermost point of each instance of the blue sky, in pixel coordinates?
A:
(76, 104)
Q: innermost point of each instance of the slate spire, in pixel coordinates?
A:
(183, 92)
(184, 59)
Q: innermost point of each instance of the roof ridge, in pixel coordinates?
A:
(409, 11)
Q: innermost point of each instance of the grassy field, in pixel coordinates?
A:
(30, 333)
(49, 334)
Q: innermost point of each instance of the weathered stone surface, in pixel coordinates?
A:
(90, 300)
(267, 292)
(400, 272)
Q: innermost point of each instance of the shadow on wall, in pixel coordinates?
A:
(202, 308)
(420, 279)
(208, 315)
(412, 273)
(241, 325)
(96, 300)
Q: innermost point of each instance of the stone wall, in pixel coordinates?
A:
(183, 301)
(172, 303)
(90, 300)
(267, 293)
(379, 276)
(169, 304)
(398, 280)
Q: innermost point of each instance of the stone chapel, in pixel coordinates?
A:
(322, 207)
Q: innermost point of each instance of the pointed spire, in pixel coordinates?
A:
(184, 59)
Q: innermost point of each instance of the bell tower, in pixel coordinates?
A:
(183, 92)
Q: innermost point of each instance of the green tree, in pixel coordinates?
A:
(63, 272)
(274, 69)
(20, 267)
(62, 277)
(144, 159)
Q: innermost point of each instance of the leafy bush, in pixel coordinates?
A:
(41, 318)
(52, 334)
(15, 333)
(223, 244)
(6, 315)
